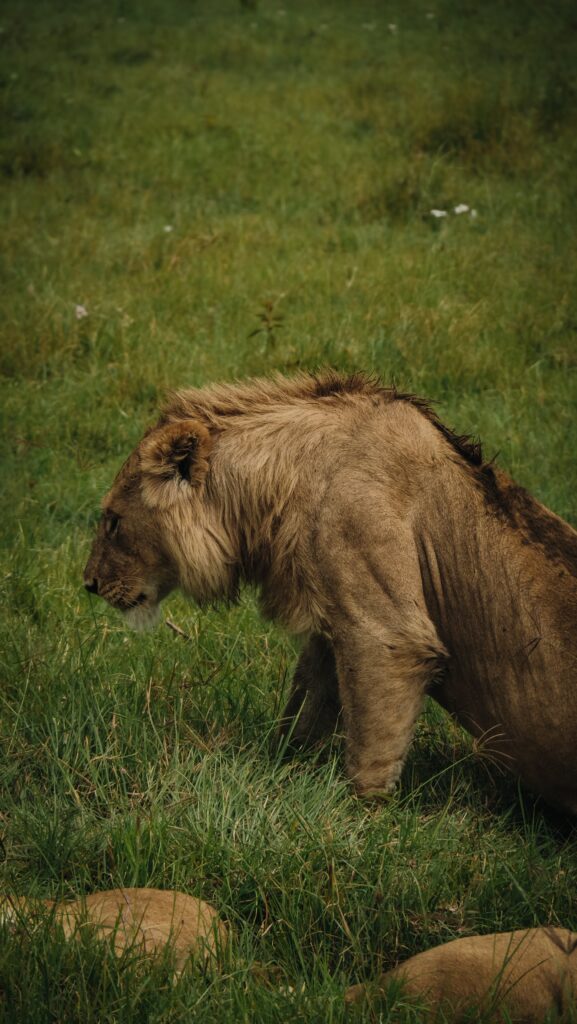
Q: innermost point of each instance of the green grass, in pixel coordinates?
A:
(295, 155)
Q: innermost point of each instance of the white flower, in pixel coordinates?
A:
(80, 312)
(392, 28)
(473, 214)
(438, 213)
(462, 208)
(168, 228)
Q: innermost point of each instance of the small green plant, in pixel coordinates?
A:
(270, 322)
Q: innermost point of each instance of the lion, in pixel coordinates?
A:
(146, 920)
(404, 562)
(520, 976)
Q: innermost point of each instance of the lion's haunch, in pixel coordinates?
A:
(146, 920)
(516, 976)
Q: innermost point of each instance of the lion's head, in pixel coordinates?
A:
(155, 519)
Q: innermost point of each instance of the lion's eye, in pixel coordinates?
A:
(112, 524)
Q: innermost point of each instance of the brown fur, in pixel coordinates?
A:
(516, 976)
(404, 561)
(144, 919)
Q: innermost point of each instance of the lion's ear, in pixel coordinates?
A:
(173, 458)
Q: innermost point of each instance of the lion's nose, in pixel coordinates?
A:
(91, 586)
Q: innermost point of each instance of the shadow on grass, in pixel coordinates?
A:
(446, 767)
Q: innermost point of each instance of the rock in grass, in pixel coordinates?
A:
(146, 920)
(518, 976)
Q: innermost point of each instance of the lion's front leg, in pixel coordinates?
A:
(313, 706)
(382, 680)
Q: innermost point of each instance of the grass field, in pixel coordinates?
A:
(188, 174)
